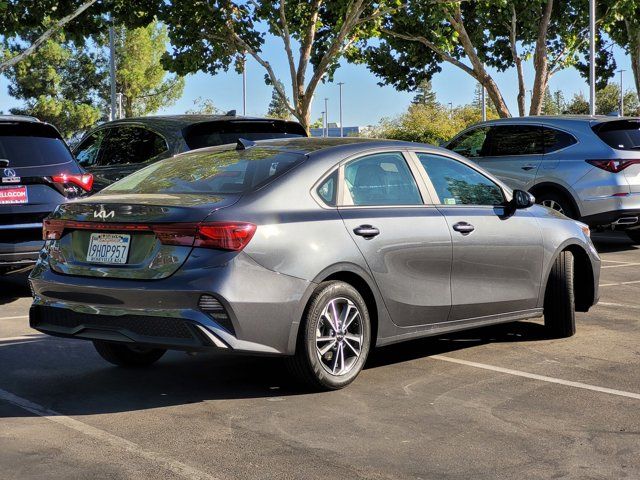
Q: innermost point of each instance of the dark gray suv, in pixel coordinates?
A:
(38, 173)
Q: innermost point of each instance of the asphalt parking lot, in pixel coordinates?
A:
(499, 402)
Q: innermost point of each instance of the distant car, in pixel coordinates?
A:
(585, 167)
(115, 149)
(316, 249)
(38, 173)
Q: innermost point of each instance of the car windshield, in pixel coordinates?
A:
(621, 134)
(232, 171)
(31, 145)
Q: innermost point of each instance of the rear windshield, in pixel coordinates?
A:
(31, 145)
(210, 134)
(234, 172)
(620, 134)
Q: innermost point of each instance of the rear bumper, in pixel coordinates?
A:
(620, 218)
(264, 307)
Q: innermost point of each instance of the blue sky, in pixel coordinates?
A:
(364, 102)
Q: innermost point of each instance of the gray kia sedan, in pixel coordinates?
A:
(314, 249)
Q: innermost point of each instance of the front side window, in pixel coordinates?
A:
(382, 179)
(509, 140)
(458, 184)
(205, 172)
(131, 144)
(470, 144)
(88, 151)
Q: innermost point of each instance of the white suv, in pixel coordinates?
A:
(585, 167)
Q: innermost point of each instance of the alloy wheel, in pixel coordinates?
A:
(552, 204)
(339, 336)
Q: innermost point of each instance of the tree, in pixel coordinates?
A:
(140, 76)
(203, 106)
(209, 36)
(278, 106)
(607, 101)
(622, 23)
(40, 20)
(553, 103)
(60, 84)
(578, 105)
(425, 95)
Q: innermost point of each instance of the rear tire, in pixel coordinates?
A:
(557, 202)
(124, 355)
(634, 235)
(559, 299)
(329, 358)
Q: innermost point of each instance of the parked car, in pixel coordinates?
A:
(38, 173)
(115, 149)
(585, 167)
(316, 249)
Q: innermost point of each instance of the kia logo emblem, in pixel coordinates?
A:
(9, 172)
(103, 214)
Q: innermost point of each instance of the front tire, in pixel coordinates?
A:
(559, 298)
(124, 355)
(334, 338)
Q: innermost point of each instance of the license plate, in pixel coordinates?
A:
(13, 195)
(110, 248)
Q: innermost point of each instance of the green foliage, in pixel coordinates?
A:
(553, 103)
(607, 101)
(317, 124)
(278, 106)
(425, 95)
(203, 106)
(140, 76)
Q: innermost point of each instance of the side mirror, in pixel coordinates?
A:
(522, 199)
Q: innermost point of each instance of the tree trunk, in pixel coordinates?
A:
(541, 62)
(633, 32)
(303, 115)
(513, 39)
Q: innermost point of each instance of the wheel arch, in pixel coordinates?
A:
(583, 276)
(538, 188)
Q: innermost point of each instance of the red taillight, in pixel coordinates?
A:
(221, 235)
(84, 181)
(225, 235)
(613, 166)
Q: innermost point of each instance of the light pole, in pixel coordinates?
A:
(326, 115)
(112, 68)
(450, 109)
(592, 57)
(621, 113)
(323, 120)
(341, 128)
(244, 85)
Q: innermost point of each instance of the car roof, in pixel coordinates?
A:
(557, 119)
(181, 121)
(18, 118)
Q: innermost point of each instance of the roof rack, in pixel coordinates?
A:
(243, 144)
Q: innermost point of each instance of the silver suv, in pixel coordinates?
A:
(585, 167)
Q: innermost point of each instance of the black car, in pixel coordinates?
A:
(38, 173)
(116, 149)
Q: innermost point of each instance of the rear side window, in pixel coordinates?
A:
(328, 189)
(556, 140)
(209, 134)
(233, 171)
(509, 140)
(620, 134)
(382, 179)
(130, 144)
(32, 145)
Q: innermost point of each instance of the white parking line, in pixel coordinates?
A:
(618, 305)
(35, 336)
(542, 378)
(619, 283)
(621, 265)
(17, 317)
(173, 466)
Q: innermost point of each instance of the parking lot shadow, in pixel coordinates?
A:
(13, 287)
(70, 375)
(611, 242)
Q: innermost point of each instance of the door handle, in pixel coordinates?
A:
(528, 167)
(366, 231)
(464, 227)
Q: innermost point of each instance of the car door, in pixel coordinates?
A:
(513, 153)
(497, 254)
(406, 244)
(125, 149)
